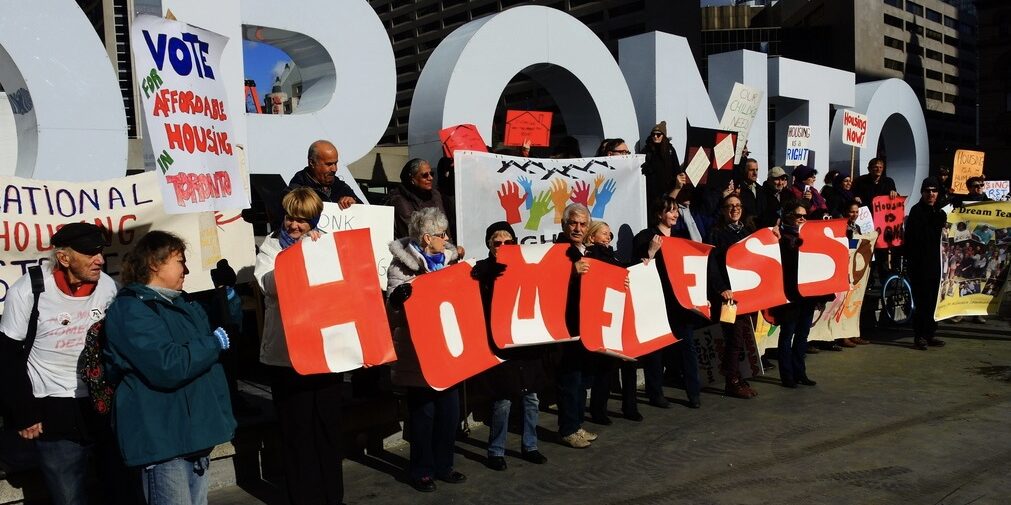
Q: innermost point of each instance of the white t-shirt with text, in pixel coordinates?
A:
(63, 324)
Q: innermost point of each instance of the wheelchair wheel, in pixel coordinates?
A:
(897, 300)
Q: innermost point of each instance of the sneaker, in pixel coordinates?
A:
(497, 463)
(575, 441)
(588, 436)
(535, 457)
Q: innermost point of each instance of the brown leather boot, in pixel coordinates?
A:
(736, 389)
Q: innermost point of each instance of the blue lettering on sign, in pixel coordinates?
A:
(184, 54)
(796, 153)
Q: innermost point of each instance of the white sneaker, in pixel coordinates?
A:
(589, 437)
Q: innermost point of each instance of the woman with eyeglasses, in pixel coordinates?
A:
(662, 165)
(432, 416)
(664, 213)
(612, 147)
(519, 377)
(795, 317)
(731, 227)
(415, 192)
(308, 407)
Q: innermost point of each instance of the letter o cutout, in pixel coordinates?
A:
(466, 74)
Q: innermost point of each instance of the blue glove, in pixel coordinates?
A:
(222, 337)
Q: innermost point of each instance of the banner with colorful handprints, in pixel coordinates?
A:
(531, 194)
(840, 318)
(974, 260)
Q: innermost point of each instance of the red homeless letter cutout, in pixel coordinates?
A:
(613, 321)
(331, 305)
(447, 326)
(823, 265)
(755, 268)
(686, 263)
(529, 302)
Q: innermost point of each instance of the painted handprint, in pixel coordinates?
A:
(596, 187)
(560, 197)
(603, 197)
(542, 206)
(510, 199)
(580, 193)
(528, 189)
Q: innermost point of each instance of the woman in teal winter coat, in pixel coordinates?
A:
(171, 405)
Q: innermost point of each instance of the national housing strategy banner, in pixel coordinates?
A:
(126, 208)
(974, 260)
(531, 193)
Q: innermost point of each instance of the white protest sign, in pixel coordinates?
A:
(179, 74)
(998, 191)
(697, 166)
(798, 138)
(724, 151)
(740, 114)
(126, 208)
(531, 194)
(865, 220)
(377, 218)
(854, 131)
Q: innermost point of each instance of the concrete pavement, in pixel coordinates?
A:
(885, 424)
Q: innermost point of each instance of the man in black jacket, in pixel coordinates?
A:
(321, 176)
(924, 228)
(754, 197)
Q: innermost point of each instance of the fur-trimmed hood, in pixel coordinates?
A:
(409, 263)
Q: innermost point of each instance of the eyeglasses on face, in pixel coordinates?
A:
(799, 217)
(498, 243)
(442, 235)
(425, 175)
(657, 134)
(733, 206)
(623, 151)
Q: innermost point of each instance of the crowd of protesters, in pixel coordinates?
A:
(160, 353)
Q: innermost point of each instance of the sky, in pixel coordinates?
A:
(262, 63)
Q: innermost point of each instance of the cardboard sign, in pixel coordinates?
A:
(608, 313)
(998, 191)
(823, 259)
(865, 220)
(447, 325)
(180, 78)
(967, 164)
(532, 125)
(331, 305)
(755, 268)
(854, 129)
(889, 214)
(377, 218)
(463, 137)
(31, 211)
(739, 115)
(530, 296)
(798, 138)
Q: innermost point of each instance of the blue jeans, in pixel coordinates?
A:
(179, 481)
(64, 465)
(500, 424)
(792, 347)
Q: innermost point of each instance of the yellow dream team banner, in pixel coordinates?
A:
(974, 260)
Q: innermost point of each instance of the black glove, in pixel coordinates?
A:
(223, 275)
(401, 294)
(489, 272)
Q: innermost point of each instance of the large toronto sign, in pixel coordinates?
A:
(74, 124)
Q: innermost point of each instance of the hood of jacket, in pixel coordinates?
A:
(412, 259)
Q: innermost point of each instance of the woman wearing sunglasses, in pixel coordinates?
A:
(522, 373)
(662, 165)
(415, 192)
